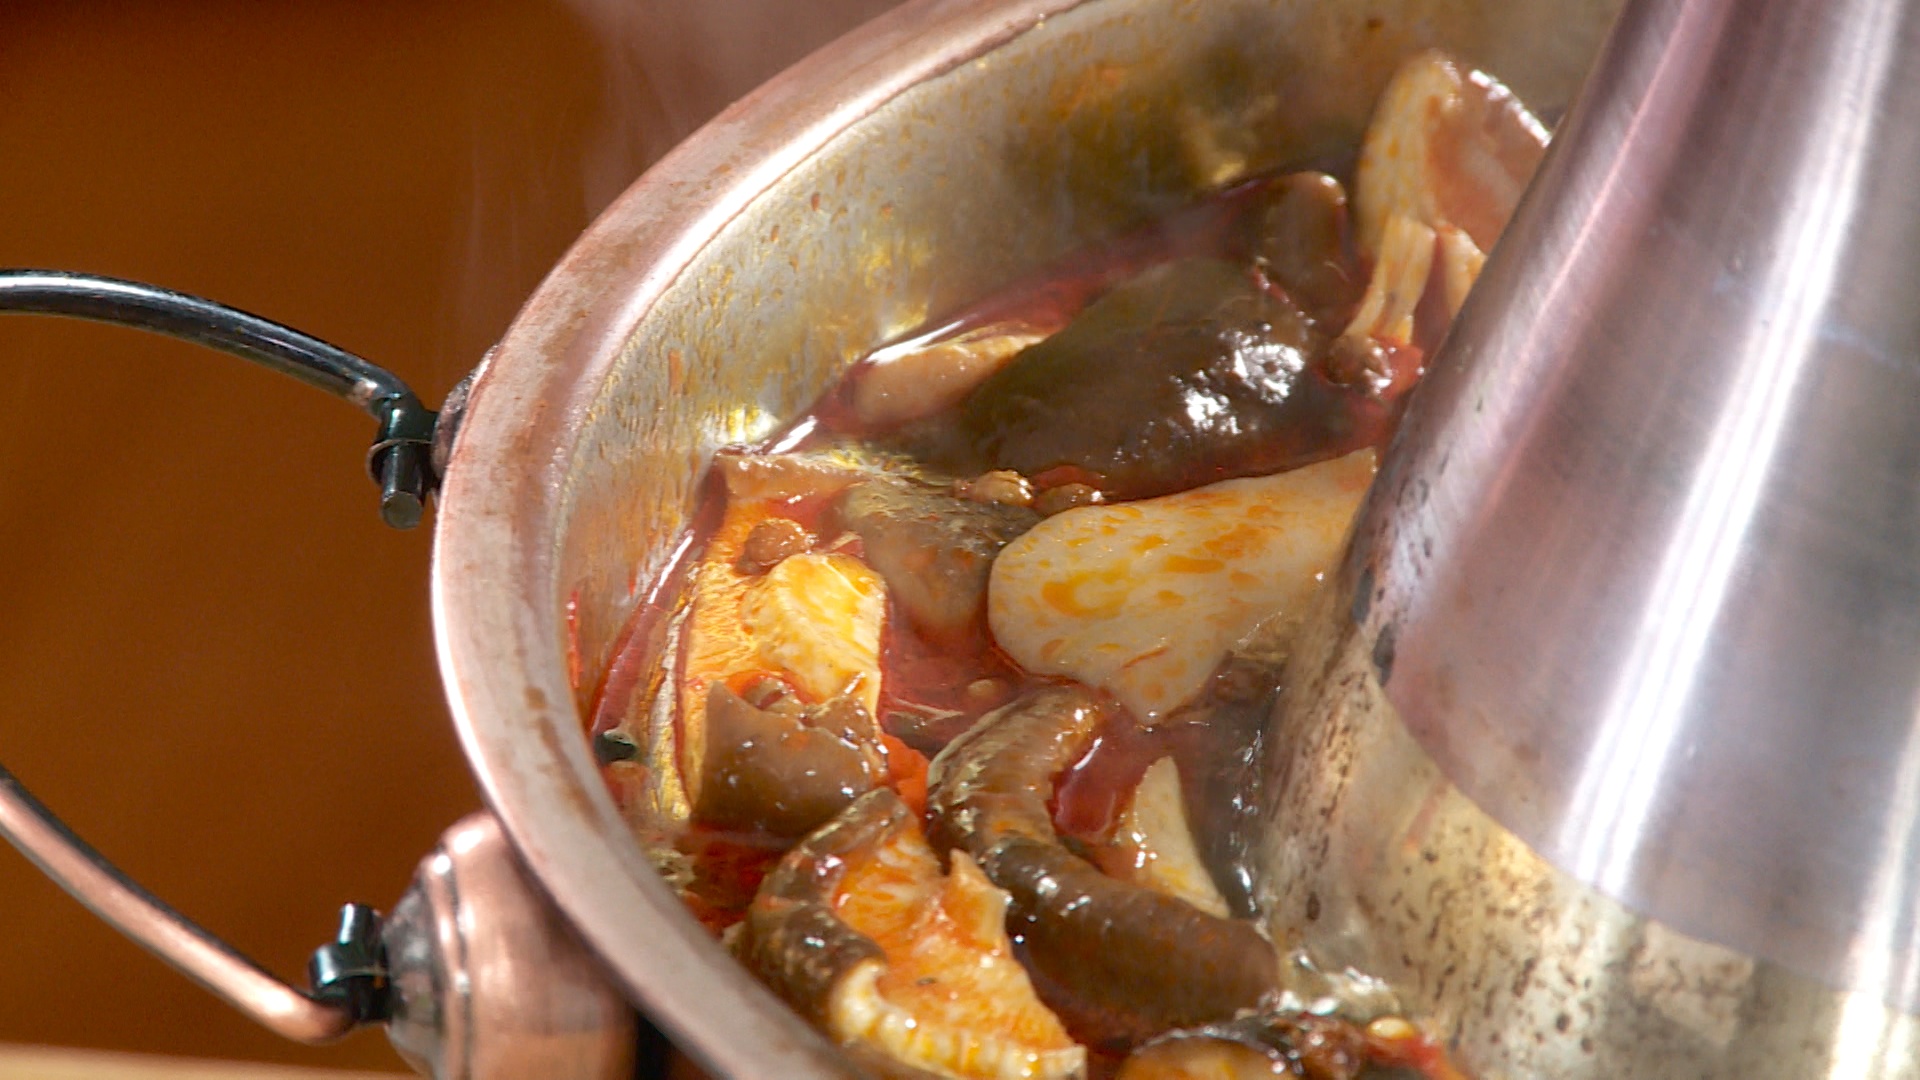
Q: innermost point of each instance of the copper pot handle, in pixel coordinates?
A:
(475, 975)
(349, 987)
(137, 913)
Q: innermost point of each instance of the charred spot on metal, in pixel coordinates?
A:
(1525, 977)
(1383, 646)
(612, 746)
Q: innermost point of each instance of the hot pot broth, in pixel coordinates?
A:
(943, 719)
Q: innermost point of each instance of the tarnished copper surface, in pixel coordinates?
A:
(490, 983)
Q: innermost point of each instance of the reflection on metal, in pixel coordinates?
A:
(1374, 859)
(489, 983)
(1640, 585)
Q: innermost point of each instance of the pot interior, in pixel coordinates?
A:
(939, 154)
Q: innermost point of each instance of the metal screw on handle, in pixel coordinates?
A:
(349, 977)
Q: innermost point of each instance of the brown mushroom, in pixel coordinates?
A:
(1191, 372)
(1305, 245)
(784, 772)
(934, 549)
(1122, 963)
(858, 929)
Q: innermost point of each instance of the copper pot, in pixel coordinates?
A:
(937, 153)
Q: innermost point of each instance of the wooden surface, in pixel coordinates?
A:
(213, 660)
(52, 1063)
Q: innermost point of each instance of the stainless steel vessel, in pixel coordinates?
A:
(1616, 761)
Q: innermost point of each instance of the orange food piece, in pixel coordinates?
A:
(717, 647)
(907, 772)
(950, 997)
(818, 617)
(814, 621)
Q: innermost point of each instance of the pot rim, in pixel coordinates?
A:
(496, 592)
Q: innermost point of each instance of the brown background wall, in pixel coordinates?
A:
(213, 660)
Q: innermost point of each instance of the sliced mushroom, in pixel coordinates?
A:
(860, 931)
(1121, 962)
(1445, 147)
(1445, 159)
(935, 549)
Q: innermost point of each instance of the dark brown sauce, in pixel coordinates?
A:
(727, 869)
(1088, 797)
(930, 694)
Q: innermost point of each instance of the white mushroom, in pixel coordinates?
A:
(1444, 161)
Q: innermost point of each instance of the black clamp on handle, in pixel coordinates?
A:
(351, 970)
(401, 458)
